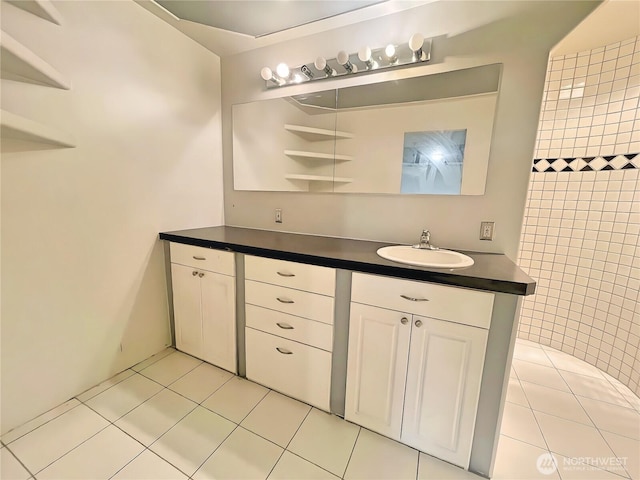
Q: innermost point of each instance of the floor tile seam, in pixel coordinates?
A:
(548, 386)
(41, 425)
(593, 425)
(630, 407)
(31, 475)
(173, 381)
(288, 443)
(167, 460)
(74, 448)
(311, 462)
(124, 414)
(214, 450)
(527, 442)
(622, 394)
(126, 464)
(153, 363)
(604, 429)
(108, 388)
(256, 405)
(346, 467)
(208, 396)
(526, 398)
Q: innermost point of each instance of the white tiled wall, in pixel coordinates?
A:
(581, 232)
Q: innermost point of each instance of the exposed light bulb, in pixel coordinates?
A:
(390, 52)
(283, 70)
(321, 64)
(266, 74)
(343, 59)
(364, 55)
(415, 44)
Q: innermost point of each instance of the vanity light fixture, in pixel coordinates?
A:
(343, 59)
(364, 55)
(415, 44)
(321, 64)
(414, 52)
(267, 75)
(283, 71)
(390, 53)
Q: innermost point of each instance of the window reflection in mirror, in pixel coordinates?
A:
(432, 162)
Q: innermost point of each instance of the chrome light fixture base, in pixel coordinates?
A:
(365, 61)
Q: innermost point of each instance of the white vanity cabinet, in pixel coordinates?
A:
(289, 309)
(416, 352)
(204, 303)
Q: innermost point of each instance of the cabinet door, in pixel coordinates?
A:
(443, 384)
(218, 320)
(376, 369)
(187, 309)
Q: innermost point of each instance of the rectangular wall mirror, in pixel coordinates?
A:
(422, 135)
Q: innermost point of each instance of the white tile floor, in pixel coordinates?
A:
(175, 417)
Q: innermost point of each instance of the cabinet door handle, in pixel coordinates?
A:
(285, 274)
(194, 273)
(201, 274)
(418, 323)
(284, 326)
(284, 351)
(414, 299)
(196, 257)
(284, 300)
(404, 320)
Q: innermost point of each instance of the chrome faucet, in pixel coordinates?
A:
(425, 241)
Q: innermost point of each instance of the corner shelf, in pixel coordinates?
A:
(318, 178)
(313, 133)
(317, 156)
(41, 8)
(19, 60)
(15, 126)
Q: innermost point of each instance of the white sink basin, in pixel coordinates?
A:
(425, 258)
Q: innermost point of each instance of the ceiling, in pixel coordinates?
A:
(227, 27)
(258, 18)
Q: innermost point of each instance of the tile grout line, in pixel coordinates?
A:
(31, 474)
(351, 454)
(285, 449)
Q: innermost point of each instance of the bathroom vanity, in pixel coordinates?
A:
(420, 355)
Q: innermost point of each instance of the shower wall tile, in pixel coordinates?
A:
(581, 231)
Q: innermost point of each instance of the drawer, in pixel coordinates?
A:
(310, 278)
(218, 261)
(289, 367)
(469, 307)
(301, 330)
(287, 300)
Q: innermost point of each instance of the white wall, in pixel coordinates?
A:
(83, 281)
(518, 34)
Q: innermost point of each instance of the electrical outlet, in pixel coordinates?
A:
(278, 215)
(486, 230)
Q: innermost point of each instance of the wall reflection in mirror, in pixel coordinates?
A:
(422, 135)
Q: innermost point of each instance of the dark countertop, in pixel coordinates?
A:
(490, 271)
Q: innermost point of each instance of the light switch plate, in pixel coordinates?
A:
(278, 215)
(486, 230)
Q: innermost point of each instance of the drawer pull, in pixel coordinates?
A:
(196, 257)
(284, 351)
(284, 326)
(285, 274)
(414, 299)
(194, 273)
(201, 274)
(284, 300)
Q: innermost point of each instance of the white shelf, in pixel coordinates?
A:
(317, 156)
(15, 126)
(318, 178)
(317, 133)
(19, 60)
(41, 8)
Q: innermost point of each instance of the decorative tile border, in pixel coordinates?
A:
(587, 164)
